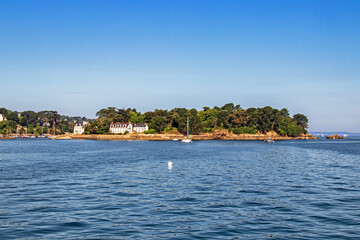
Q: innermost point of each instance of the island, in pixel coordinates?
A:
(229, 122)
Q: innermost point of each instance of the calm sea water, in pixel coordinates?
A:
(73, 189)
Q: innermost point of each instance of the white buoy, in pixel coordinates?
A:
(170, 165)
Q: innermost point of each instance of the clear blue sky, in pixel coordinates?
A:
(77, 57)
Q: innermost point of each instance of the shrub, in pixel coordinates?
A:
(150, 131)
(207, 130)
(171, 130)
(244, 130)
(292, 130)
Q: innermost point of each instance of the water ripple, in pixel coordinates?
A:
(215, 190)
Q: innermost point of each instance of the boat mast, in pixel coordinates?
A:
(54, 126)
(187, 128)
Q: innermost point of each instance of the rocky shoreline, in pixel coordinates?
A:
(218, 135)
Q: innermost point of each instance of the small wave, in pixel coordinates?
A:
(222, 206)
(253, 191)
(44, 209)
(74, 224)
(186, 199)
(127, 194)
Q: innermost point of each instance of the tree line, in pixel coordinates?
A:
(36, 122)
(230, 117)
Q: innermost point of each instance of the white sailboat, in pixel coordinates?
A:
(187, 140)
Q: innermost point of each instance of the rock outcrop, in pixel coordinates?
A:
(336, 136)
(216, 135)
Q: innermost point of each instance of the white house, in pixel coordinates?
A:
(79, 129)
(140, 127)
(2, 118)
(128, 127)
(121, 127)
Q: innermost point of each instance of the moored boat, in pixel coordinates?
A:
(187, 139)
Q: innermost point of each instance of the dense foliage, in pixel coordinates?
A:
(230, 117)
(36, 122)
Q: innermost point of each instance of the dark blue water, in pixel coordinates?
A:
(72, 189)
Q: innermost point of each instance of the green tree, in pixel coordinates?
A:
(21, 131)
(109, 112)
(28, 117)
(228, 107)
(194, 122)
(301, 120)
(238, 118)
(4, 111)
(13, 117)
(122, 116)
(136, 117)
(288, 127)
(158, 123)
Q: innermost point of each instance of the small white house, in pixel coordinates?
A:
(2, 118)
(121, 127)
(140, 127)
(79, 129)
